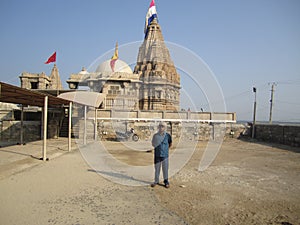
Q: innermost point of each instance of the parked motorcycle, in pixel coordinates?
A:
(127, 135)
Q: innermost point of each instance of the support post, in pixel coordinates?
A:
(213, 131)
(254, 113)
(42, 125)
(84, 130)
(45, 125)
(95, 125)
(70, 127)
(21, 128)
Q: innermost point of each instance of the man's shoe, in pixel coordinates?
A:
(153, 184)
(167, 185)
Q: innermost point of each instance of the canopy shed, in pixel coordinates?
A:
(13, 94)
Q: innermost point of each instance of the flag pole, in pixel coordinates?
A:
(57, 91)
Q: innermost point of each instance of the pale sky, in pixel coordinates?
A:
(244, 43)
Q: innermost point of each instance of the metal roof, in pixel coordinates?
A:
(13, 94)
(84, 98)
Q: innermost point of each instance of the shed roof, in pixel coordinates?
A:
(13, 94)
(87, 98)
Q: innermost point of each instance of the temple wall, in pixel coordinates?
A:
(187, 131)
(183, 125)
(10, 126)
(282, 134)
(10, 131)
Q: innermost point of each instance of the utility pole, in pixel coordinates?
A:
(271, 101)
(254, 113)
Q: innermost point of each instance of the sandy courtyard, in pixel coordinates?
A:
(248, 183)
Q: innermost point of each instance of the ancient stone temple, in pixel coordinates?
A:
(153, 85)
(161, 82)
(41, 81)
(115, 79)
(137, 96)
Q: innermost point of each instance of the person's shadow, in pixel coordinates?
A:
(119, 175)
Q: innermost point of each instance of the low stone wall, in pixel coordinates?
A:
(282, 134)
(108, 129)
(10, 131)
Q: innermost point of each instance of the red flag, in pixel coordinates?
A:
(52, 58)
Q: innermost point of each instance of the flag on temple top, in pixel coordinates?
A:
(114, 58)
(151, 15)
(51, 59)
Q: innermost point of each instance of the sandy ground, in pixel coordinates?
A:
(248, 183)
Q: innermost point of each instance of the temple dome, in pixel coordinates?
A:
(120, 66)
(83, 71)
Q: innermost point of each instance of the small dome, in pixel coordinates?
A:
(83, 71)
(120, 66)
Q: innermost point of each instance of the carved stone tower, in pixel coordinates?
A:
(161, 82)
(41, 81)
(55, 79)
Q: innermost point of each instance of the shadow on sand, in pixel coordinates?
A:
(120, 176)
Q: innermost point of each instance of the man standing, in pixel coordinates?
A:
(161, 142)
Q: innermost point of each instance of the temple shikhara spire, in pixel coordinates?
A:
(161, 82)
(55, 83)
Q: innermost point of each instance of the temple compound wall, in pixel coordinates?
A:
(183, 125)
(276, 133)
(188, 131)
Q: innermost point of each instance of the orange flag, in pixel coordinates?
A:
(51, 59)
(114, 58)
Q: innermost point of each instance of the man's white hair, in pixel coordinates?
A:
(162, 123)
